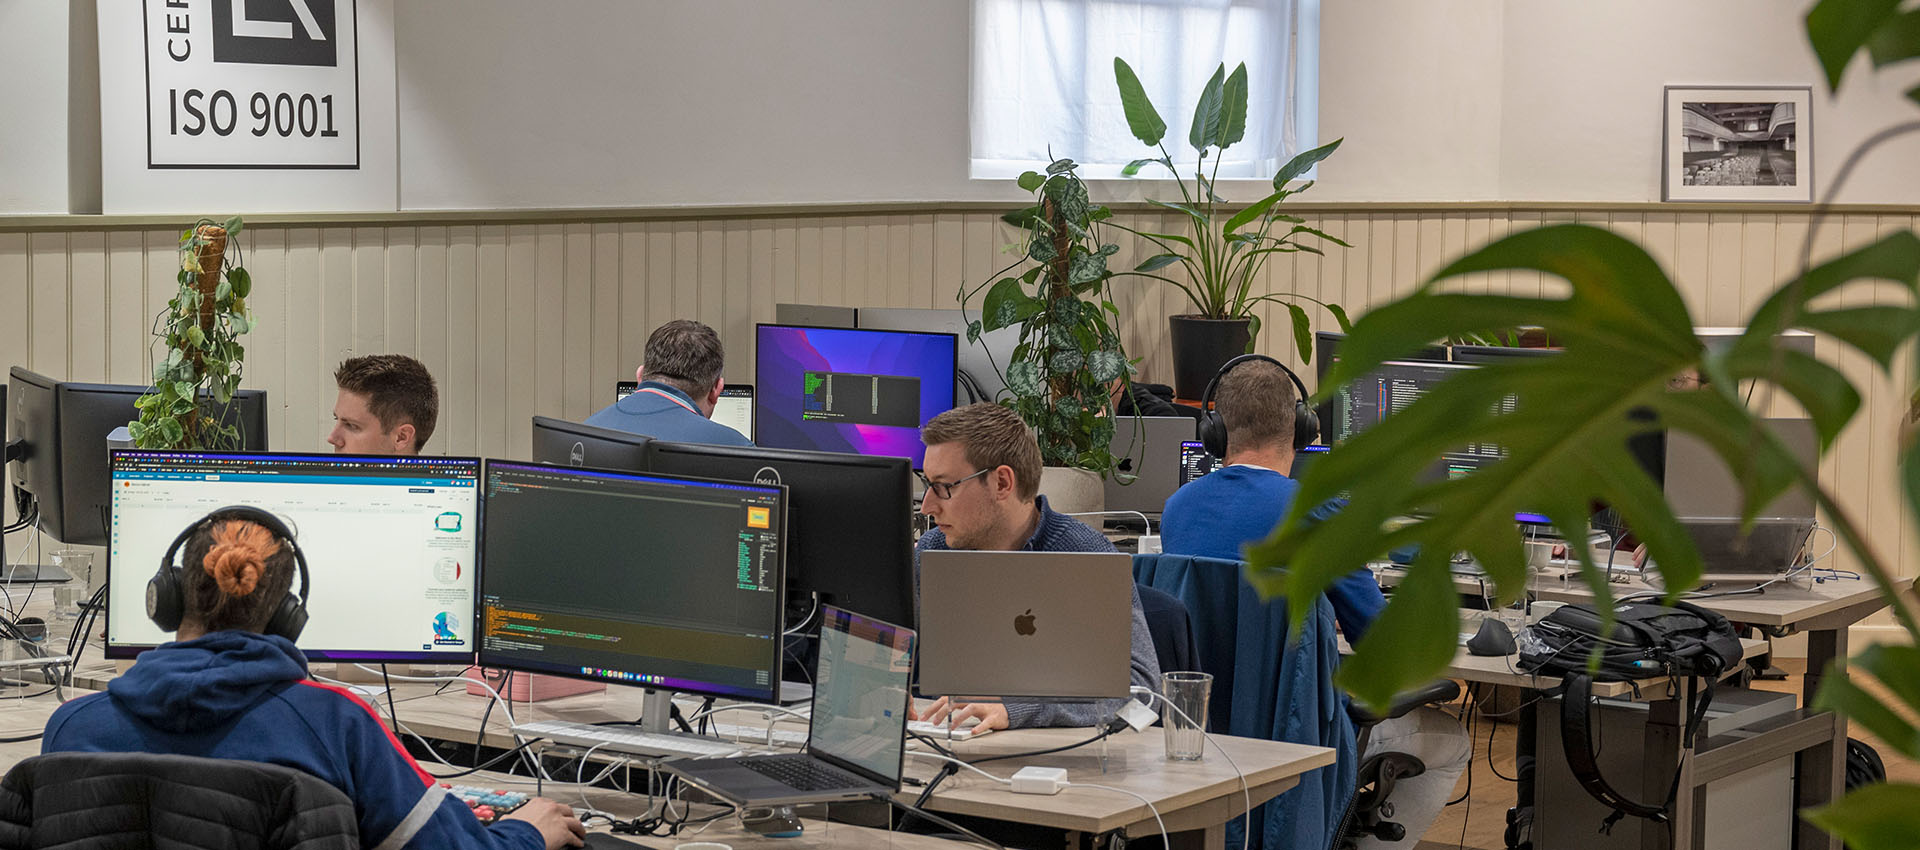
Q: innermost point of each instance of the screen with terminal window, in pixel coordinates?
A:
(645, 580)
(859, 391)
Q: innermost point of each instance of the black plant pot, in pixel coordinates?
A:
(1200, 346)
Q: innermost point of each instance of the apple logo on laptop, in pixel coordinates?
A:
(1023, 624)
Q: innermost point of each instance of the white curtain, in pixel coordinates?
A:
(1043, 85)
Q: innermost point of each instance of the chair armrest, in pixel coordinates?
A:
(1443, 690)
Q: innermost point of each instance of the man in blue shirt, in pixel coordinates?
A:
(680, 383)
(982, 473)
(1242, 502)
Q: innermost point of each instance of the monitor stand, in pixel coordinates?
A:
(656, 710)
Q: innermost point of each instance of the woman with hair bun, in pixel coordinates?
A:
(223, 689)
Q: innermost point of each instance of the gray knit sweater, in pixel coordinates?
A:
(1058, 532)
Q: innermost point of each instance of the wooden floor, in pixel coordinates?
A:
(1481, 821)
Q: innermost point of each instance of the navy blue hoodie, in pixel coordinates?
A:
(243, 695)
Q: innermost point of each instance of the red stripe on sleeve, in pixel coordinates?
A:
(378, 723)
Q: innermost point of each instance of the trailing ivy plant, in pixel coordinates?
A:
(1061, 375)
(191, 403)
(1625, 331)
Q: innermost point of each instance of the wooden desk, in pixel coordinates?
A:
(1824, 611)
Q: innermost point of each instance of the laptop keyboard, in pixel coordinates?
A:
(800, 773)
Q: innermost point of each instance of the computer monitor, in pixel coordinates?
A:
(625, 388)
(856, 391)
(1489, 354)
(1326, 352)
(1195, 461)
(850, 518)
(390, 544)
(980, 362)
(564, 443)
(62, 427)
(734, 408)
(674, 584)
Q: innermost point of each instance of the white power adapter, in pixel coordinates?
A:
(1149, 544)
(1039, 780)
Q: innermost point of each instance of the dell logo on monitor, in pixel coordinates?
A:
(767, 475)
(577, 456)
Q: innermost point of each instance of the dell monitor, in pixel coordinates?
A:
(1482, 355)
(563, 443)
(63, 428)
(854, 391)
(849, 518)
(390, 543)
(672, 584)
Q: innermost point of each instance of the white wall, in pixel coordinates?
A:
(33, 107)
(598, 103)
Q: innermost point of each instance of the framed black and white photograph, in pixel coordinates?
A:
(1738, 143)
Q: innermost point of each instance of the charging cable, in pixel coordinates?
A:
(1146, 527)
(1246, 795)
(1047, 780)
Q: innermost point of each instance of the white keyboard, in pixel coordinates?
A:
(758, 734)
(942, 731)
(627, 739)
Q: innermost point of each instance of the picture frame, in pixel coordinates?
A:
(1737, 143)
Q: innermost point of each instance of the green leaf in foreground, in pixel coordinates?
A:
(1564, 423)
(1873, 817)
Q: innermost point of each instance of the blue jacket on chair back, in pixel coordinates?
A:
(1265, 686)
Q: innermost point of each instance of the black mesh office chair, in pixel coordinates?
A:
(1371, 808)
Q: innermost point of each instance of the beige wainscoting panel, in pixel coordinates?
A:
(541, 314)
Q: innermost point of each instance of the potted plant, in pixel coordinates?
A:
(191, 404)
(1222, 257)
(1061, 376)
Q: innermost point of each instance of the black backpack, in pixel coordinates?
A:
(1683, 641)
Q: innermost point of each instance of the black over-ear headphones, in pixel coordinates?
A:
(167, 591)
(1213, 430)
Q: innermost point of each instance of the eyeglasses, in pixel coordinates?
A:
(944, 489)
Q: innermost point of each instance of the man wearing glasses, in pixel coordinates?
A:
(982, 474)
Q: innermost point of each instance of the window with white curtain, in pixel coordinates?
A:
(1043, 84)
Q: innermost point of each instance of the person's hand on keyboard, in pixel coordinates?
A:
(559, 826)
(988, 715)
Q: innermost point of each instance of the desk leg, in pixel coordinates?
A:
(1520, 818)
(1661, 757)
(1822, 775)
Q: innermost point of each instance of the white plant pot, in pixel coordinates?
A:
(1071, 490)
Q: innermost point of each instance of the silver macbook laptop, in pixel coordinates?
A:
(1705, 496)
(1026, 625)
(1150, 454)
(858, 727)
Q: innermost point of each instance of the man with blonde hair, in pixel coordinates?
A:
(982, 474)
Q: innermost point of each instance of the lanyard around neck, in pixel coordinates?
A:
(669, 397)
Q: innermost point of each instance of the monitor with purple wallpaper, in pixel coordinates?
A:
(856, 391)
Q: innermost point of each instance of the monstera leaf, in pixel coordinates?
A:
(1564, 423)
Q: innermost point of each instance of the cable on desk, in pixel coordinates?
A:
(1104, 732)
(929, 816)
(1149, 804)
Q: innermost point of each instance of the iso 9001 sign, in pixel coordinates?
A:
(252, 84)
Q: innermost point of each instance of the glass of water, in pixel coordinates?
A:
(68, 595)
(1186, 727)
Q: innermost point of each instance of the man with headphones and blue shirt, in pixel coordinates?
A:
(1257, 423)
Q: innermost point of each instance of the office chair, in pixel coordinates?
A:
(133, 801)
(1368, 812)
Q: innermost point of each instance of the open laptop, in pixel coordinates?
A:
(1705, 496)
(1148, 454)
(1195, 461)
(734, 409)
(857, 731)
(1026, 625)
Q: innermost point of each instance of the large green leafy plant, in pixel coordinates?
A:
(1068, 357)
(191, 404)
(1625, 332)
(1224, 254)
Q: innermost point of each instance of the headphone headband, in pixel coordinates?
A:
(1212, 428)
